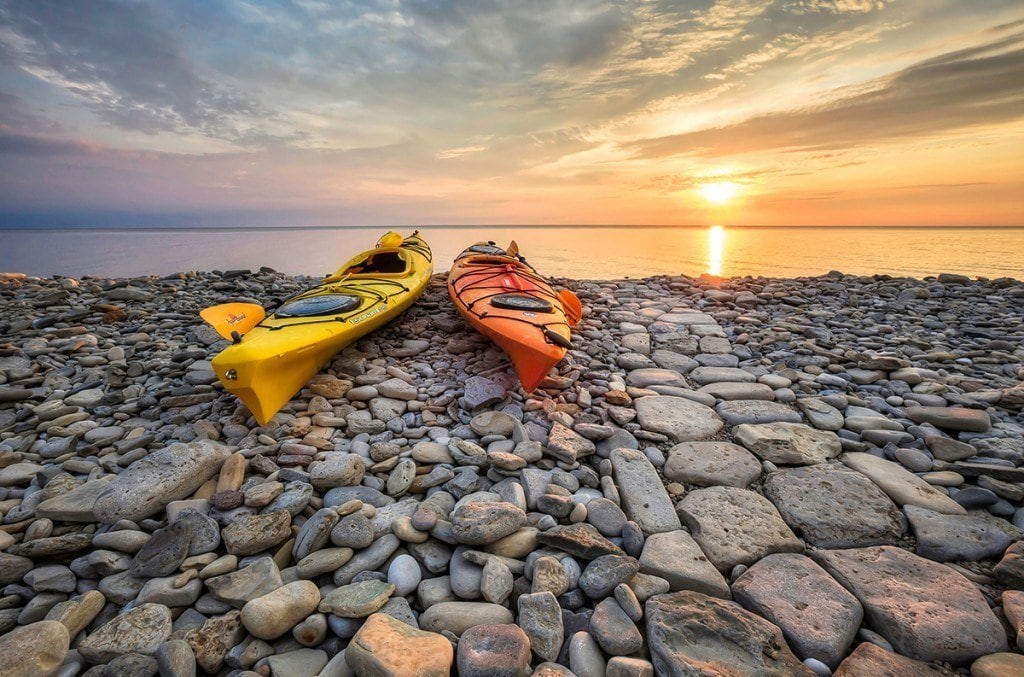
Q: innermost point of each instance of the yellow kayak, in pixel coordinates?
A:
(276, 357)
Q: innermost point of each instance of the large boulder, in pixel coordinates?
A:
(169, 474)
(925, 610)
(736, 526)
(689, 633)
(682, 420)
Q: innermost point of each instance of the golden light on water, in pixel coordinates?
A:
(716, 247)
(719, 192)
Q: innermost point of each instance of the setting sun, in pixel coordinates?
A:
(719, 192)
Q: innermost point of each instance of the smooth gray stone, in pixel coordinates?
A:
(818, 616)
(169, 474)
(676, 557)
(644, 498)
(831, 506)
(712, 464)
(736, 526)
(369, 559)
(902, 486)
(680, 419)
(738, 412)
(948, 538)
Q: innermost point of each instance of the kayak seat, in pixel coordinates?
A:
(384, 262)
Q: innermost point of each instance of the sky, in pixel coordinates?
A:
(394, 112)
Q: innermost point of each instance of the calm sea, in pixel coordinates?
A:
(579, 252)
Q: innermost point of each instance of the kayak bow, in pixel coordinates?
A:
(504, 298)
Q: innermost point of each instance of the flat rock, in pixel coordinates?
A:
(643, 495)
(871, 660)
(831, 506)
(676, 557)
(669, 359)
(356, 600)
(141, 629)
(689, 633)
(739, 412)
(818, 616)
(580, 540)
(457, 617)
(482, 392)
(614, 631)
(707, 375)
(645, 378)
(822, 415)
(682, 420)
(925, 610)
(385, 646)
(19, 474)
(77, 504)
(478, 523)
(728, 390)
(788, 443)
(952, 418)
(35, 649)
(567, 445)
(711, 464)
(13, 567)
(149, 484)
(256, 533)
(998, 665)
(238, 587)
(947, 538)
(736, 526)
(901, 485)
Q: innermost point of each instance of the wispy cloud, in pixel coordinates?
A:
(975, 86)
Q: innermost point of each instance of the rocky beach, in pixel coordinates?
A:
(741, 476)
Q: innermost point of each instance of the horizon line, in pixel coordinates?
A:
(532, 226)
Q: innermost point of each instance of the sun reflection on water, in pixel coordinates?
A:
(716, 247)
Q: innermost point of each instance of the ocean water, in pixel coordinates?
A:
(559, 251)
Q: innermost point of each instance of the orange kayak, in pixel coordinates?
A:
(505, 299)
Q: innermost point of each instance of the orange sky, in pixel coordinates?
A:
(803, 112)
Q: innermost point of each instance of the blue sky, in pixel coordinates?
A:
(346, 113)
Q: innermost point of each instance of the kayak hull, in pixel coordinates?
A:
(534, 340)
(274, 360)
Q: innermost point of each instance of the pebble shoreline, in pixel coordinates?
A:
(819, 475)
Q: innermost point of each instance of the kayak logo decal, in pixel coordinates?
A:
(368, 314)
(235, 319)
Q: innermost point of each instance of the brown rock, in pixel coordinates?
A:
(385, 647)
(871, 660)
(34, 649)
(1010, 569)
(256, 533)
(494, 651)
(689, 633)
(998, 665)
(924, 609)
(581, 540)
(211, 642)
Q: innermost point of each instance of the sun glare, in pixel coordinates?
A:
(716, 247)
(719, 192)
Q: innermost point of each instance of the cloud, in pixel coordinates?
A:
(974, 86)
(123, 62)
